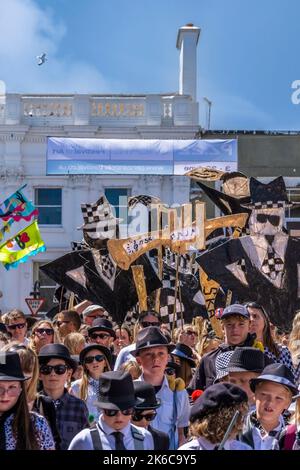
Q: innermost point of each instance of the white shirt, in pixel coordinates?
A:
(201, 443)
(83, 440)
(92, 397)
(164, 420)
(124, 356)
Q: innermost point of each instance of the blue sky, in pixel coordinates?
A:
(248, 52)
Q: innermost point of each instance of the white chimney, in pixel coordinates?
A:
(187, 40)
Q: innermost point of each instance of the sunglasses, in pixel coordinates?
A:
(263, 218)
(60, 322)
(99, 335)
(15, 326)
(191, 333)
(11, 391)
(148, 417)
(59, 369)
(91, 359)
(149, 323)
(112, 413)
(47, 331)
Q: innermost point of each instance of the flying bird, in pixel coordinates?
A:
(41, 58)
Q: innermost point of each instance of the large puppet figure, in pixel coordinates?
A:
(265, 265)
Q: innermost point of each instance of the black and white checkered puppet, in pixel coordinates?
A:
(265, 265)
(100, 223)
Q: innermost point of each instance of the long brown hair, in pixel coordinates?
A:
(22, 426)
(267, 334)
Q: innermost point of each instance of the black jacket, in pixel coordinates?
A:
(205, 373)
(161, 439)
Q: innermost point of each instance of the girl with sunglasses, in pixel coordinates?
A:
(36, 401)
(14, 413)
(42, 333)
(95, 360)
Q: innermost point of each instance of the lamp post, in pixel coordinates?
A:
(209, 103)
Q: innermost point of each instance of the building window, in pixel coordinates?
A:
(293, 196)
(118, 198)
(49, 203)
(47, 286)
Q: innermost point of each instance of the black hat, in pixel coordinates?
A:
(100, 348)
(10, 367)
(146, 392)
(151, 337)
(268, 196)
(57, 351)
(185, 352)
(3, 328)
(215, 397)
(235, 309)
(246, 360)
(102, 324)
(278, 373)
(116, 391)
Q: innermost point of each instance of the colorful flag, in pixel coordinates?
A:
(27, 242)
(18, 207)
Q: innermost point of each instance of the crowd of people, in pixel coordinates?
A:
(78, 382)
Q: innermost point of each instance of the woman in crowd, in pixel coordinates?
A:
(123, 338)
(42, 333)
(260, 325)
(19, 428)
(294, 346)
(36, 401)
(95, 360)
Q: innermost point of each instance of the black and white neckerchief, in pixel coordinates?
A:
(258, 425)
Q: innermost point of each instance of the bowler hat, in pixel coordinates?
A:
(235, 309)
(185, 352)
(151, 337)
(146, 392)
(100, 348)
(215, 397)
(56, 351)
(10, 367)
(102, 324)
(246, 360)
(278, 373)
(116, 391)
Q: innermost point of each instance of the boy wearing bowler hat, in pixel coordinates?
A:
(113, 430)
(211, 415)
(145, 413)
(152, 354)
(245, 364)
(56, 367)
(273, 390)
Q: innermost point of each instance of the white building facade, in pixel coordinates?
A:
(27, 120)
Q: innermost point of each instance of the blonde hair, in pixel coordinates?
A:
(294, 340)
(183, 329)
(214, 425)
(30, 366)
(75, 342)
(84, 381)
(32, 344)
(133, 368)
